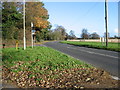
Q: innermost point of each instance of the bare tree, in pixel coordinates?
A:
(72, 35)
(85, 34)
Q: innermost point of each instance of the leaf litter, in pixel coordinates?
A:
(66, 78)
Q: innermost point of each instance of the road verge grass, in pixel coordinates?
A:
(41, 57)
(43, 67)
(37, 65)
(99, 45)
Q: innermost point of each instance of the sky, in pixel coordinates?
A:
(78, 15)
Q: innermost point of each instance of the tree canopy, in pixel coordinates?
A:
(85, 34)
(94, 36)
(71, 35)
(12, 19)
(36, 13)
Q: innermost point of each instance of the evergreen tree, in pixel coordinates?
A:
(10, 20)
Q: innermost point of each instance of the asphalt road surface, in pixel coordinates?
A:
(107, 60)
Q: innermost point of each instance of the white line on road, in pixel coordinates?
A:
(116, 78)
(94, 53)
(102, 54)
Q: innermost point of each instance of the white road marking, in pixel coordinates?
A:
(116, 78)
(94, 53)
(102, 54)
(68, 47)
(91, 48)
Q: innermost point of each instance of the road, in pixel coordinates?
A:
(107, 60)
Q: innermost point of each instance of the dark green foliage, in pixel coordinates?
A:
(11, 20)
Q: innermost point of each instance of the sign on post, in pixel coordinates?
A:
(32, 34)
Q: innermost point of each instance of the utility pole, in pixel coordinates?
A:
(106, 21)
(24, 25)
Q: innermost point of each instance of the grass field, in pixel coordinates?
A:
(111, 46)
(38, 60)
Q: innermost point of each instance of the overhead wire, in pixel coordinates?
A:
(90, 9)
(87, 12)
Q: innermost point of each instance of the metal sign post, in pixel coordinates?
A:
(24, 25)
(31, 34)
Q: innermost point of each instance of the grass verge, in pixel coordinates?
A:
(99, 45)
(37, 65)
(40, 57)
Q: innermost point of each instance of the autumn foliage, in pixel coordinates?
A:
(12, 21)
(41, 23)
(36, 13)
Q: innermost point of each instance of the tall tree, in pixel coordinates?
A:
(36, 13)
(10, 20)
(71, 35)
(59, 33)
(85, 34)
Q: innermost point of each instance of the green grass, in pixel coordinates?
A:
(111, 46)
(39, 60)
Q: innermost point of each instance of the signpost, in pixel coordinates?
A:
(31, 34)
(24, 25)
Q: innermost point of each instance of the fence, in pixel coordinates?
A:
(97, 40)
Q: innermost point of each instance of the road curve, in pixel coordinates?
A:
(107, 60)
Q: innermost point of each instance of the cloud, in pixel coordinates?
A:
(116, 30)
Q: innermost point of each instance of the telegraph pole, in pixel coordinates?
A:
(24, 25)
(106, 21)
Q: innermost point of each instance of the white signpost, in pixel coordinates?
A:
(24, 39)
(32, 34)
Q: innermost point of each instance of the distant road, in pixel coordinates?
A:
(107, 60)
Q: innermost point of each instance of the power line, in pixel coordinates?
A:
(87, 12)
(90, 9)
